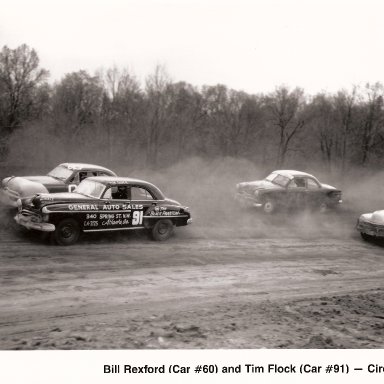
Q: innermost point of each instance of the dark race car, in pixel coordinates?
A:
(103, 204)
(288, 189)
(65, 177)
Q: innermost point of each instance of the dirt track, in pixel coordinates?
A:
(207, 287)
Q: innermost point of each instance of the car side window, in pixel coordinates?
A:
(78, 177)
(312, 184)
(75, 178)
(121, 192)
(138, 193)
(297, 182)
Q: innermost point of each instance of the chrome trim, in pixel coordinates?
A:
(26, 222)
(163, 216)
(111, 229)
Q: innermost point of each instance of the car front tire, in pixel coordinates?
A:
(162, 230)
(323, 207)
(366, 237)
(269, 206)
(67, 232)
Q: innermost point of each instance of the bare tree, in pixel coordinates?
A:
(20, 79)
(371, 132)
(123, 110)
(345, 103)
(77, 102)
(157, 105)
(285, 109)
(323, 121)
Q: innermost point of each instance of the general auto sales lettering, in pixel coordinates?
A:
(82, 207)
(125, 207)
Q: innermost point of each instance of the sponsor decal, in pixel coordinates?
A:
(165, 213)
(113, 219)
(73, 167)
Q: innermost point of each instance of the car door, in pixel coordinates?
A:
(114, 208)
(296, 191)
(314, 196)
(142, 202)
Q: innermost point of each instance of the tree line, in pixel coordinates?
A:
(112, 116)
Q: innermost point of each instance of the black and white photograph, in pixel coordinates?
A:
(192, 175)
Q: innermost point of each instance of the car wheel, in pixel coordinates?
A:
(365, 236)
(67, 232)
(162, 230)
(269, 206)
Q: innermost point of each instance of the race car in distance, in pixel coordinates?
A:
(371, 225)
(103, 203)
(288, 189)
(65, 177)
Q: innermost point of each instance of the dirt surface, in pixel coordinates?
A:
(258, 282)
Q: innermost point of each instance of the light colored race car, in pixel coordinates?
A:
(287, 189)
(371, 225)
(64, 178)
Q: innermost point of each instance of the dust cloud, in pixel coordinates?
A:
(208, 188)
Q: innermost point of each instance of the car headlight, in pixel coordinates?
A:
(256, 193)
(19, 204)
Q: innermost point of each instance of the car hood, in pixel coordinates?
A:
(258, 184)
(327, 186)
(29, 185)
(376, 217)
(42, 199)
(44, 179)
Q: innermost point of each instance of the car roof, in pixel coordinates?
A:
(112, 180)
(292, 173)
(81, 166)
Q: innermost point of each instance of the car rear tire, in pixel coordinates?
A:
(269, 206)
(162, 230)
(67, 232)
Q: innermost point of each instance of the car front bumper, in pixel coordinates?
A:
(370, 229)
(26, 221)
(8, 197)
(247, 200)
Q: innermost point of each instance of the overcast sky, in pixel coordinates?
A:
(247, 45)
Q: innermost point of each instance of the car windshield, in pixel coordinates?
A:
(90, 188)
(275, 178)
(60, 172)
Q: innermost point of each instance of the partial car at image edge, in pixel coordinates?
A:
(65, 177)
(371, 225)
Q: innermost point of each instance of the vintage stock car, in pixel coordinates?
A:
(371, 225)
(288, 189)
(65, 177)
(102, 204)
